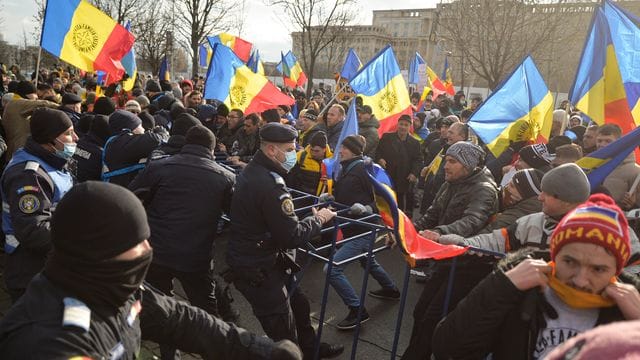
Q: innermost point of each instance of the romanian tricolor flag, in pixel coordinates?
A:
(229, 80)
(521, 109)
(85, 37)
(204, 55)
(292, 71)
(607, 85)
(130, 67)
(381, 86)
(437, 86)
(241, 47)
(255, 64)
(414, 246)
(446, 76)
(600, 163)
(351, 65)
(163, 73)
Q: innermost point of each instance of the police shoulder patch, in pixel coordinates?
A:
(287, 207)
(29, 203)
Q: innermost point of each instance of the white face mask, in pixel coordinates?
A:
(290, 159)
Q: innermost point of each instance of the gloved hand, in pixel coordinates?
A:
(451, 239)
(286, 350)
(325, 197)
(359, 209)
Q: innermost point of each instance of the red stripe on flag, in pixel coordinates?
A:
(117, 45)
(390, 123)
(242, 48)
(269, 97)
(618, 112)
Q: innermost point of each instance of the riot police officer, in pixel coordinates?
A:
(89, 303)
(33, 182)
(264, 227)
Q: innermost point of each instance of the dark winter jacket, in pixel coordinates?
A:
(509, 215)
(369, 129)
(402, 157)
(462, 207)
(498, 318)
(333, 135)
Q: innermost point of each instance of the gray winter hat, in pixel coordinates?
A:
(468, 154)
(568, 183)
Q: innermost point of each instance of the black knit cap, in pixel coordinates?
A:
(152, 86)
(318, 139)
(98, 221)
(25, 88)
(223, 110)
(355, 144)
(148, 122)
(527, 181)
(104, 106)
(122, 119)
(183, 123)
(201, 135)
(47, 124)
(100, 127)
(71, 98)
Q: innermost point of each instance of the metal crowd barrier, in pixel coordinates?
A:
(302, 207)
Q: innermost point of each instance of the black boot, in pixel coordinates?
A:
(351, 320)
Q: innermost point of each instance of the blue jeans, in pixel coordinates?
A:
(339, 281)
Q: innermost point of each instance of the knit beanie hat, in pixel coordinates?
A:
(205, 112)
(201, 135)
(152, 86)
(536, 155)
(47, 124)
(132, 106)
(468, 154)
(25, 88)
(567, 182)
(148, 122)
(92, 233)
(122, 119)
(104, 106)
(223, 110)
(100, 127)
(183, 123)
(311, 115)
(527, 181)
(355, 144)
(319, 139)
(598, 221)
(143, 101)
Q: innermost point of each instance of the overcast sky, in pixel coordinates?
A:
(264, 25)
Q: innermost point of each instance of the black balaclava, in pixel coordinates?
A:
(93, 223)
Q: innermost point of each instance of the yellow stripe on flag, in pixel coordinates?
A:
(90, 28)
(245, 85)
(392, 99)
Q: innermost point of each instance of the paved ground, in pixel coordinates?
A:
(376, 336)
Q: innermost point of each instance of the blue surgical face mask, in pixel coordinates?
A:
(290, 159)
(69, 150)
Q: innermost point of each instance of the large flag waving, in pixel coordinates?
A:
(130, 67)
(232, 82)
(414, 68)
(381, 86)
(521, 109)
(414, 246)
(351, 65)
(607, 84)
(241, 47)
(350, 127)
(85, 37)
(600, 163)
(292, 71)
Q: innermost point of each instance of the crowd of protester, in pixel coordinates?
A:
(570, 252)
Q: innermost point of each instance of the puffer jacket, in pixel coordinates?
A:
(462, 207)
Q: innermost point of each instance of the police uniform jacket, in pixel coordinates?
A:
(88, 158)
(128, 149)
(184, 195)
(30, 193)
(263, 221)
(48, 323)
